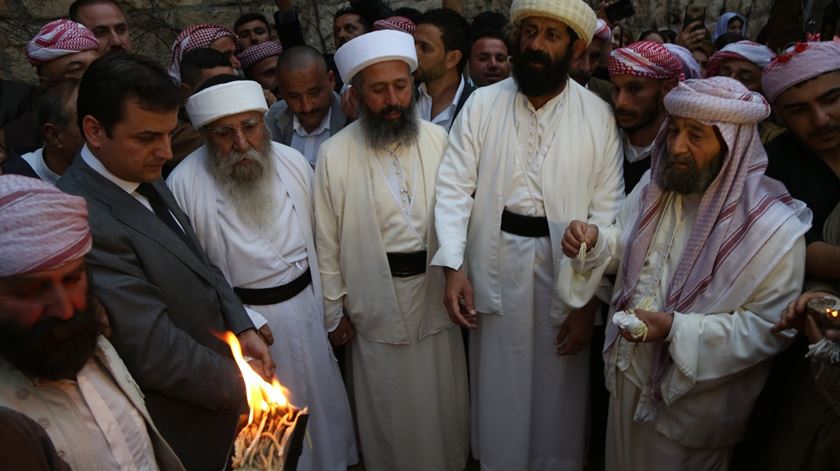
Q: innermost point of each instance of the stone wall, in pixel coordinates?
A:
(155, 23)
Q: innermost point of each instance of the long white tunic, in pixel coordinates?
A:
(254, 258)
(407, 362)
(719, 356)
(562, 161)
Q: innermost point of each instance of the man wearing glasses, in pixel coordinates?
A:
(250, 202)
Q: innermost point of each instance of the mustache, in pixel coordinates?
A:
(825, 130)
(388, 109)
(535, 56)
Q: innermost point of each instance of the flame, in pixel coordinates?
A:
(261, 395)
(832, 313)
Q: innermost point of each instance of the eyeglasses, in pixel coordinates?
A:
(248, 129)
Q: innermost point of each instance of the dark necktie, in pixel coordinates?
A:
(162, 212)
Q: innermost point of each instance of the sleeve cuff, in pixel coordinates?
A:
(447, 256)
(256, 318)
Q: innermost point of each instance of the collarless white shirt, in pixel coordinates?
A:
(308, 143)
(633, 153)
(35, 160)
(445, 117)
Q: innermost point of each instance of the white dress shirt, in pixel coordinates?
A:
(35, 160)
(445, 117)
(308, 143)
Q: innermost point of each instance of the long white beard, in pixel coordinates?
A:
(250, 188)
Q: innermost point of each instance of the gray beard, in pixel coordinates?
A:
(250, 189)
(381, 133)
(687, 181)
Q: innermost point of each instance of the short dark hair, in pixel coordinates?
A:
(73, 14)
(454, 29)
(51, 105)
(218, 80)
(489, 20)
(412, 14)
(352, 11)
(200, 59)
(249, 17)
(110, 81)
(298, 57)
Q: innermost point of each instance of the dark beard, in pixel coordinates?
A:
(544, 81)
(690, 180)
(381, 132)
(53, 349)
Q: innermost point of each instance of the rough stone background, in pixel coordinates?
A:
(155, 23)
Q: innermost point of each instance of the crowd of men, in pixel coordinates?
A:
(513, 243)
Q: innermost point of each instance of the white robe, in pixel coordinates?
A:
(720, 357)
(407, 360)
(563, 161)
(252, 258)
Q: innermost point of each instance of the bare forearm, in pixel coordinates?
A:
(822, 262)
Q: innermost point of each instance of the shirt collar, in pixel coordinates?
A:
(324, 126)
(99, 167)
(634, 153)
(455, 99)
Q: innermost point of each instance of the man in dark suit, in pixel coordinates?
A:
(165, 299)
(310, 111)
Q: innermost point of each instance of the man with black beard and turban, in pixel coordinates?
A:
(250, 202)
(55, 365)
(374, 196)
(526, 156)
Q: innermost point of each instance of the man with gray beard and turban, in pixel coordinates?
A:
(708, 252)
(374, 199)
(250, 202)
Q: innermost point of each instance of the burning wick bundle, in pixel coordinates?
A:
(826, 313)
(273, 438)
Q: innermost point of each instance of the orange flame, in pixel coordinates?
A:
(832, 313)
(261, 395)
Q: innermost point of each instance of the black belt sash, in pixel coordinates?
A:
(407, 264)
(278, 294)
(525, 226)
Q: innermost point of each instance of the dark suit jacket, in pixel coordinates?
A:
(280, 120)
(165, 303)
(15, 165)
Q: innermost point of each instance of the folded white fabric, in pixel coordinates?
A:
(632, 324)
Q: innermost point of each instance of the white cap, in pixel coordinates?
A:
(373, 48)
(225, 99)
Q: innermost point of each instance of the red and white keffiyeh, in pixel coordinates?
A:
(738, 213)
(645, 59)
(797, 64)
(749, 51)
(194, 37)
(41, 227)
(602, 31)
(59, 38)
(258, 52)
(396, 23)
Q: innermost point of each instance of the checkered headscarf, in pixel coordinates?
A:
(194, 37)
(60, 38)
(396, 23)
(602, 31)
(646, 59)
(258, 52)
(758, 54)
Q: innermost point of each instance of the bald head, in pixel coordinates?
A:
(301, 57)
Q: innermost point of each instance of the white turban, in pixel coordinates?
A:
(575, 13)
(373, 48)
(225, 99)
(716, 100)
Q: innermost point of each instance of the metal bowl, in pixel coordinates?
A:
(826, 312)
